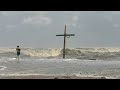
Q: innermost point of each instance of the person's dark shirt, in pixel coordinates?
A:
(18, 49)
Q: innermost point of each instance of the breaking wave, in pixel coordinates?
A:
(79, 53)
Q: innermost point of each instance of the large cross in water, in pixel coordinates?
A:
(65, 35)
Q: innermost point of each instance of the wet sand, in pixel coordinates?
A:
(48, 77)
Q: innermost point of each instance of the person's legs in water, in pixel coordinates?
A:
(18, 56)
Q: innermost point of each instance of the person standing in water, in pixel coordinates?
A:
(18, 52)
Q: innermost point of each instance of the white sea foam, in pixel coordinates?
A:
(83, 68)
(96, 76)
(19, 74)
(80, 53)
(2, 67)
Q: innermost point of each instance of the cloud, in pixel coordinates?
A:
(111, 15)
(11, 26)
(29, 17)
(116, 25)
(8, 13)
(36, 12)
(40, 18)
(79, 26)
(1, 29)
(74, 25)
(109, 18)
(72, 21)
(67, 12)
(113, 12)
(71, 12)
(75, 18)
(4, 13)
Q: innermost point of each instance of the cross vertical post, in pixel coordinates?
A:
(65, 40)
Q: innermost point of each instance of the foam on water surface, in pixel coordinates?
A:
(49, 63)
(2, 68)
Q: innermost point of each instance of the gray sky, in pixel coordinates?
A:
(38, 29)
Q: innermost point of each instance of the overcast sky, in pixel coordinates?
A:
(38, 29)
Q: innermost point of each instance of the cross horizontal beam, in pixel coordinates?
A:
(66, 35)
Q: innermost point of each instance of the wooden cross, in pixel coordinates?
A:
(65, 40)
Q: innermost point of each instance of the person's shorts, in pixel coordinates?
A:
(18, 53)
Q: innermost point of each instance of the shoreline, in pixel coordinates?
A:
(49, 77)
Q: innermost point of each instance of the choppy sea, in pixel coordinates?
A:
(79, 61)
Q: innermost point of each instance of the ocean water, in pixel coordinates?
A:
(80, 62)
